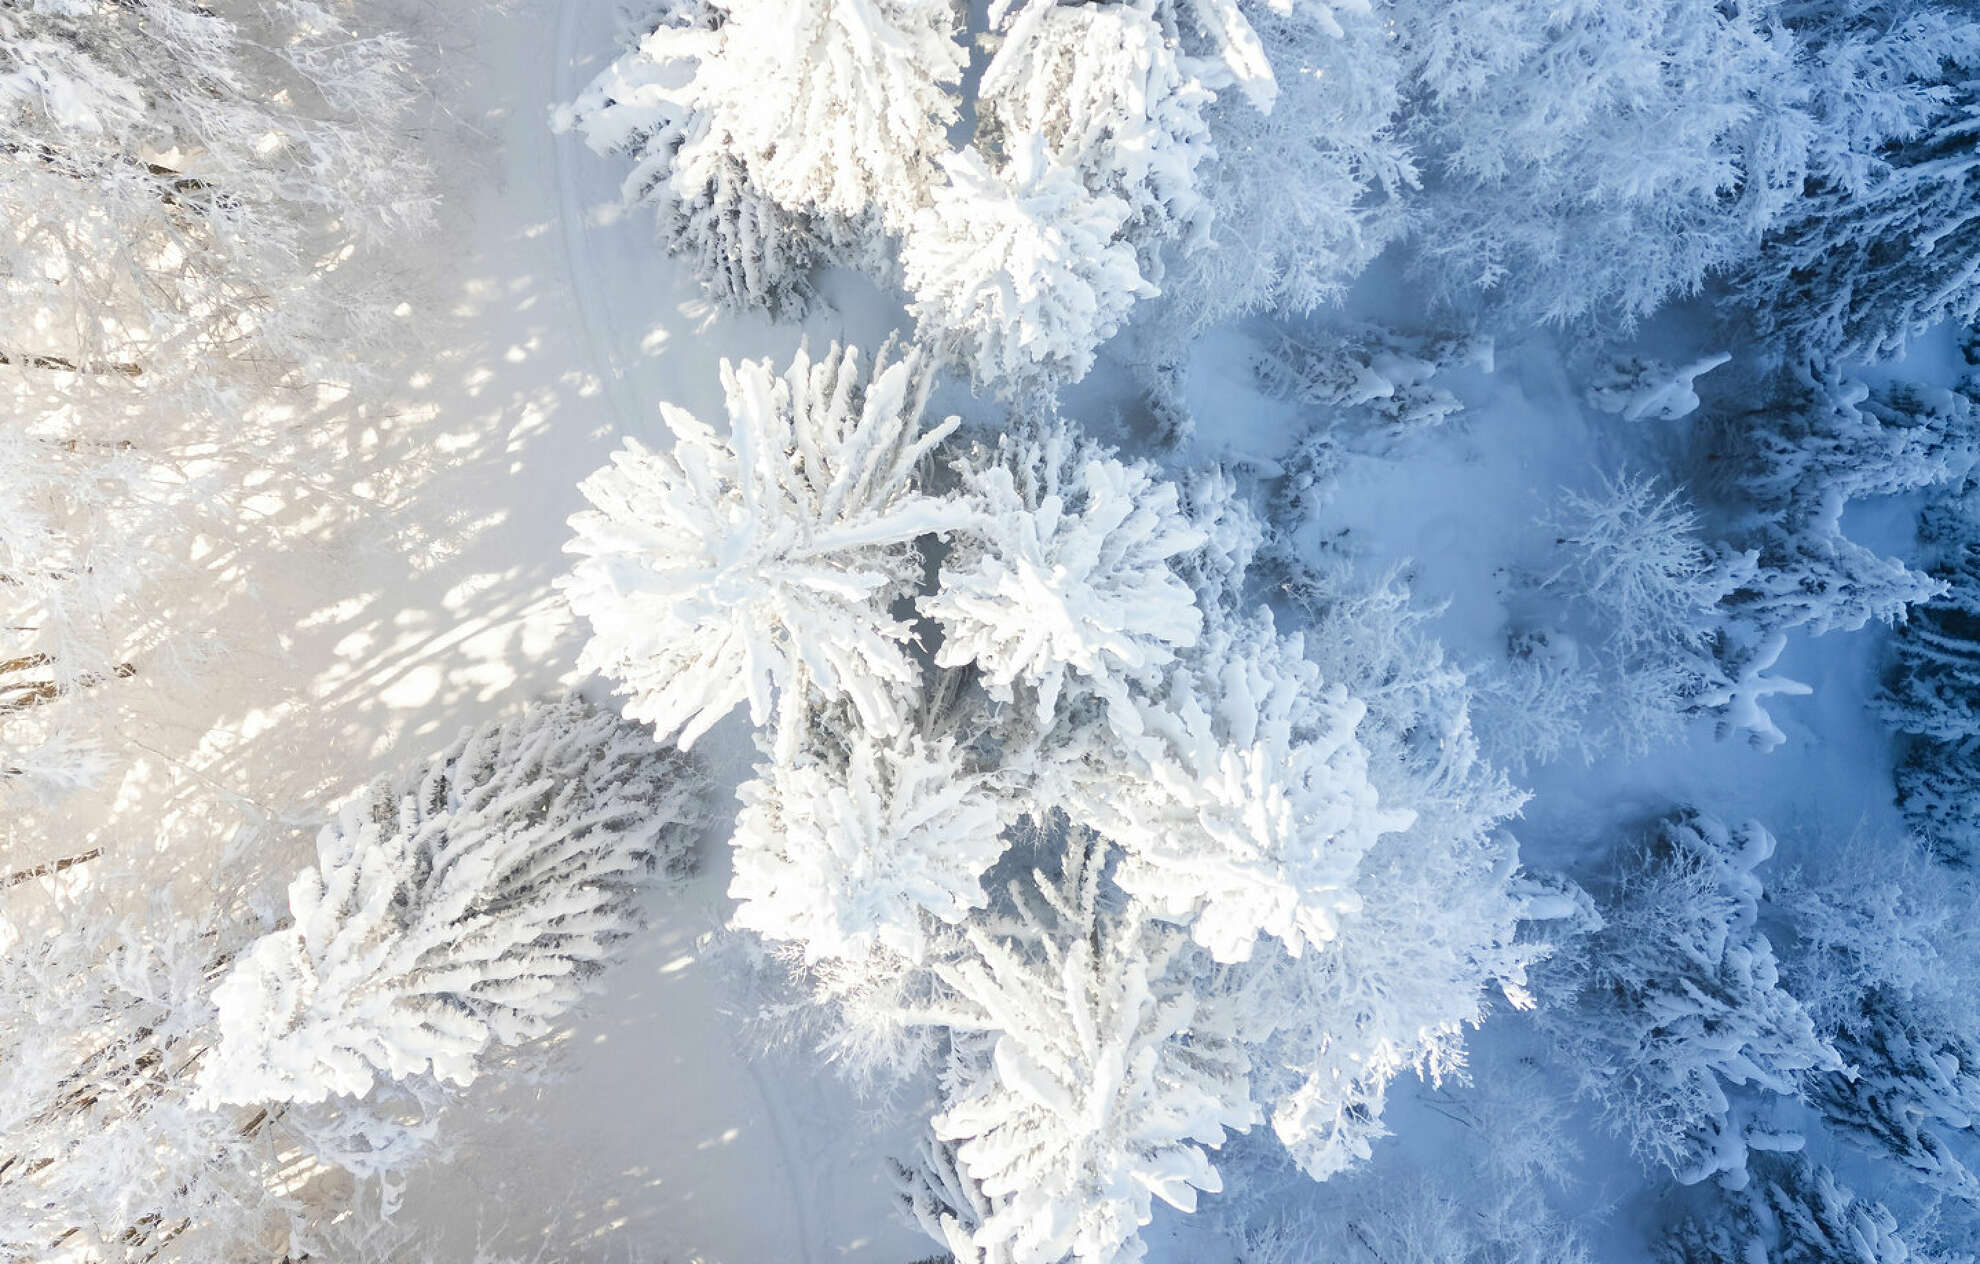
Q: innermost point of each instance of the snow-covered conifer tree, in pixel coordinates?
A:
(1940, 793)
(454, 909)
(1019, 274)
(940, 1198)
(1105, 143)
(1380, 381)
(1092, 1063)
(1678, 998)
(1934, 687)
(1248, 809)
(845, 850)
(761, 565)
(1633, 551)
(1798, 464)
(1237, 853)
(1883, 954)
(1329, 135)
(1600, 159)
(1794, 1213)
(1070, 576)
(1440, 901)
(1906, 1089)
(768, 135)
(1885, 242)
(104, 1151)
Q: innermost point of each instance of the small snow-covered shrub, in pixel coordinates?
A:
(1642, 592)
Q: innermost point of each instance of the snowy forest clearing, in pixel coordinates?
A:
(1423, 785)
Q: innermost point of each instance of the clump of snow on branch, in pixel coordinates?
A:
(1637, 390)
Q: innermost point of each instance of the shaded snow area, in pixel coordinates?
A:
(794, 631)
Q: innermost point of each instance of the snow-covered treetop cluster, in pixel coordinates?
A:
(1214, 158)
(1134, 865)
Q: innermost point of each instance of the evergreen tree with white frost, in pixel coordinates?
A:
(1885, 241)
(761, 565)
(1069, 578)
(181, 1086)
(455, 909)
(1677, 999)
(1799, 462)
(1594, 160)
(1247, 806)
(1091, 1065)
(1910, 1089)
(1251, 856)
(1933, 692)
(1070, 575)
(105, 1153)
(770, 136)
(1884, 953)
(1019, 274)
(1934, 689)
(1440, 901)
(1377, 385)
(858, 842)
(1297, 199)
(1104, 143)
(1794, 1213)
